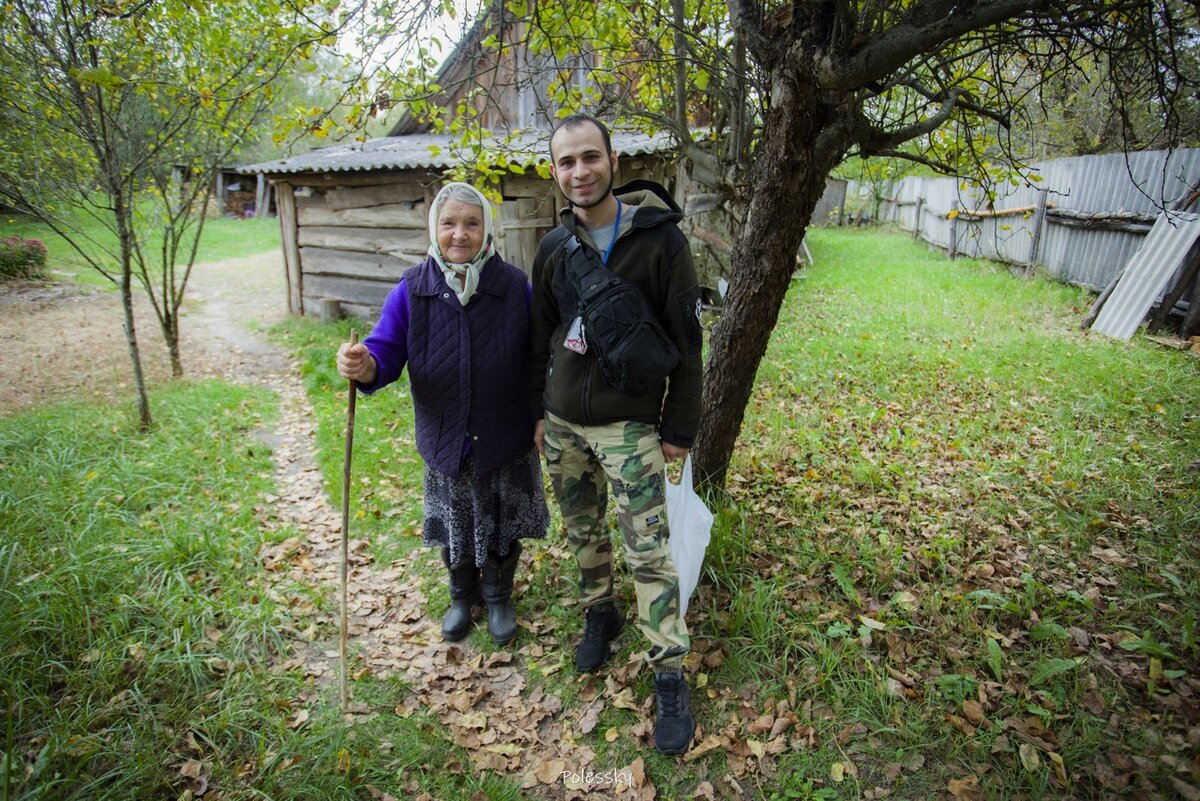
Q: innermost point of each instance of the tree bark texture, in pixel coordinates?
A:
(139, 378)
(787, 181)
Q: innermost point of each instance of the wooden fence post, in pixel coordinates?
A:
(917, 218)
(1039, 219)
(1191, 321)
(260, 195)
(954, 231)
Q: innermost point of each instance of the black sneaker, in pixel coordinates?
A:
(601, 625)
(674, 726)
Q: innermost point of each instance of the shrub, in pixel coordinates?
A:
(22, 259)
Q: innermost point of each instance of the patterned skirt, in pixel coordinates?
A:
(472, 515)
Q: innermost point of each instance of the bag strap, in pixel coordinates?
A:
(584, 267)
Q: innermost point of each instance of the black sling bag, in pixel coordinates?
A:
(634, 351)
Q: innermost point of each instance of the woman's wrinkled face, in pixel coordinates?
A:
(459, 231)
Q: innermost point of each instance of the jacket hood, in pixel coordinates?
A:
(651, 202)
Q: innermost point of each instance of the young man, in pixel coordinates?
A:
(595, 436)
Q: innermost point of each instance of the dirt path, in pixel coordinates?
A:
(60, 341)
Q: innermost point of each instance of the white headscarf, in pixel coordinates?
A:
(469, 272)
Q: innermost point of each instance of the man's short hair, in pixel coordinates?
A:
(579, 119)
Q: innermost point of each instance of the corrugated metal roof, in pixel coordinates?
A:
(1147, 273)
(431, 151)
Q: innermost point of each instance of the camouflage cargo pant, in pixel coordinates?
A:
(583, 461)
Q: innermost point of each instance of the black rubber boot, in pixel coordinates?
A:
(497, 584)
(464, 593)
(674, 726)
(602, 624)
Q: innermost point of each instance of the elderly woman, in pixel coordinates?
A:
(460, 321)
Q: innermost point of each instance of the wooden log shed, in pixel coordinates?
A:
(354, 217)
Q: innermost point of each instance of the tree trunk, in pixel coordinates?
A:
(171, 333)
(788, 179)
(135, 356)
(123, 215)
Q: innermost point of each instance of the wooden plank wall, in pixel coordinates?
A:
(352, 236)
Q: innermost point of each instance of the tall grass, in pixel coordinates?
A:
(135, 626)
(223, 238)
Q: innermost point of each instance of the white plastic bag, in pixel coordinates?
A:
(690, 524)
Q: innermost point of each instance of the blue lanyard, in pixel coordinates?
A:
(616, 232)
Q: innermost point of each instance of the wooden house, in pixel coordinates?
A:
(354, 216)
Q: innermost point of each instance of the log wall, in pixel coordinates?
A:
(351, 236)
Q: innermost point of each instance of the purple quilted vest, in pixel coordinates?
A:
(468, 367)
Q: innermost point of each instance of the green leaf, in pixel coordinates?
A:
(1048, 631)
(956, 685)
(842, 577)
(1049, 668)
(994, 658)
(1142, 645)
(838, 630)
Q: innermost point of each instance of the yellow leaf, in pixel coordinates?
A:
(1060, 768)
(611, 735)
(473, 720)
(837, 772)
(1029, 757)
(624, 700)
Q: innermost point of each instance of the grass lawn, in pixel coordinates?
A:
(958, 559)
(223, 238)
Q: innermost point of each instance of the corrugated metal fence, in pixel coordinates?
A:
(1052, 223)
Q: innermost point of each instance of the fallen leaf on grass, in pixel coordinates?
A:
(710, 743)
(763, 724)
(591, 717)
(1111, 556)
(624, 700)
(1186, 790)
(960, 724)
(974, 712)
(1060, 769)
(965, 788)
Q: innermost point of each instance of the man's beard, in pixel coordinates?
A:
(600, 198)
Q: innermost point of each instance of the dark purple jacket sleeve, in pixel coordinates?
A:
(388, 342)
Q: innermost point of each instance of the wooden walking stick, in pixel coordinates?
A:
(346, 530)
